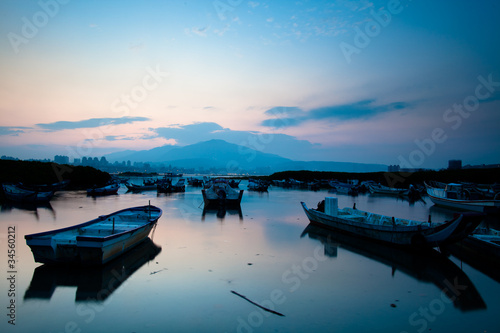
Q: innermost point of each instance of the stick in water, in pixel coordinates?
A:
(260, 306)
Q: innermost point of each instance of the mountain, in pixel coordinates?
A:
(234, 158)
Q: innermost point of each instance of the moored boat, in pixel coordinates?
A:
(144, 187)
(221, 194)
(19, 194)
(257, 185)
(381, 189)
(97, 241)
(457, 196)
(397, 231)
(104, 190)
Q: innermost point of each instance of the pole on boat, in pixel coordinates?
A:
(429, 219)
(149, 208)
(113, 231)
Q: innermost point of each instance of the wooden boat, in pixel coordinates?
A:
(392, 230)
(105, 190)
(344, 188)
(381, 189)
(257, 185)
(97, 241)
(195, 182)
(180, 186)
(19, 194)
(221, 194)
(138, 188)
(457, 196)
(485, 242)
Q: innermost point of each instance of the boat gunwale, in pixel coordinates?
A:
(96, 220)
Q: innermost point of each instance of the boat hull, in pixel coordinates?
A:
(17, 194)
(466, 205)
(421, 235)
(95, 246)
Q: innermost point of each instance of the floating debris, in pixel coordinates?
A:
(260, 306)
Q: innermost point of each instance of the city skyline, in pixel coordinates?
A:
(413, 83)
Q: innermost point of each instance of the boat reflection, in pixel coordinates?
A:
(221, 212)
(427, 266)
(28, 206)
(93, 283)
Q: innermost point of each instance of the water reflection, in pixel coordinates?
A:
(93, 283)
(427, 266)
(221, 212)
(28, 207)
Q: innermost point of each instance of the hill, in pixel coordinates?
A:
(234, 158)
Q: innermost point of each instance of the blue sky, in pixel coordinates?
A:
(392, 82)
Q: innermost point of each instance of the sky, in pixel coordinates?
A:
(414, 83)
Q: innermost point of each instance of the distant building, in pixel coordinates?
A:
(394, 168)
(77, 161)
(61, 159)
(454, 164)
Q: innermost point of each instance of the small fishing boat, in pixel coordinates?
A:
(344, 188)
(257, 185)
(97, 241)
(195, 182)
(147, 186)
(221, 194)
(457, 196)
(485, 242)
(180, 186)
(104, 190)
(381, 189)
(393, 230)
(19, 194)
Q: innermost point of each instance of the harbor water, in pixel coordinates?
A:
(223, 271)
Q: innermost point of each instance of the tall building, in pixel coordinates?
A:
(61, 159)
(454, 164)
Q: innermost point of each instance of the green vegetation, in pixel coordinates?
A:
(38, 173)
(398, 179)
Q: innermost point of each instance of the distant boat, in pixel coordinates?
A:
(221, 194)
(180, 186)
(457, 196)
(104, 190)
(257, 185)
(344, 188)
(137, 188)
(381, 189)
(173, 175)
(195, 182)
(392, 230)
(97, 241)
(19, 194)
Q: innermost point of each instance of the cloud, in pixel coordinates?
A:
(89, 123)
(292, 116)
(12, 130)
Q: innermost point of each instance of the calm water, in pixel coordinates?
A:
(181, 281)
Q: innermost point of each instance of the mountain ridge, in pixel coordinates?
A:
(234, 158)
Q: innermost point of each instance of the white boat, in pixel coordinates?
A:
(457, 196)
(97, 241)
(221, 194)
(393, 230)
